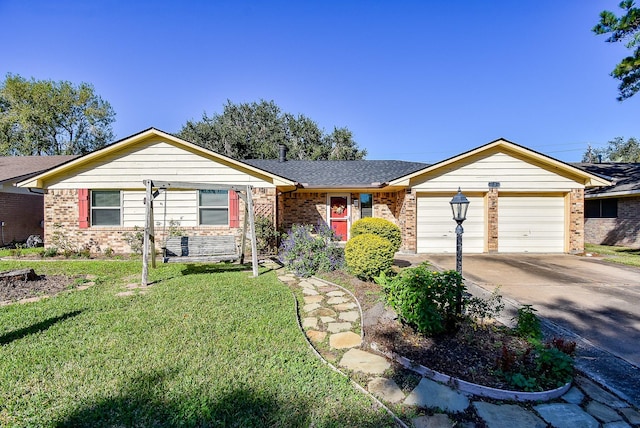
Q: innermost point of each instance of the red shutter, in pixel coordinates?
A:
(83, 208)
(234, 210)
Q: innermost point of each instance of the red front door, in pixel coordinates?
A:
(338, 215)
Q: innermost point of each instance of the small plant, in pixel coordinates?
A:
(307, 250)
(108, 252)
(566, 346)
(16, 252)
(135, 240)
(380, 227)
(49, 252)
(175, 229)
(61, 240)
(480, 309)
(368, 255)
(528, 323)
(554, 366)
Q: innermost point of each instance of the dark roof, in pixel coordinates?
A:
(336, 173)
(16, 168)
(624, 176)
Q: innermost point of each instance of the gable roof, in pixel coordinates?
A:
(624, 177)
(559, 167)
(337, 173)
(16, 168)
(39, 180)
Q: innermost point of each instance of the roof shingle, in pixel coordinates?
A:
(336, 173)
(15, 168)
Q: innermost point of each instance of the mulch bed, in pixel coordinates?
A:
(471, 354)
(15, 289)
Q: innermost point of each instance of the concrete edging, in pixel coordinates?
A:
(473, 388)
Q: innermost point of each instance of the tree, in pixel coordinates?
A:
(617, 150)
(256, 130)
(43, 117)
(625, 28)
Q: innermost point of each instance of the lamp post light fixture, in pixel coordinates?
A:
(459, 206)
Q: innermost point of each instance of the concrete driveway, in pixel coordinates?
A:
(597, 300)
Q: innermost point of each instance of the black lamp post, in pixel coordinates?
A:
(459, 206)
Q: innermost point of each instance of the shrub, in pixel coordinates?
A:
(266, 235)
(423, 298)
(135, 240)
(307, 250)
(380, 227)
(368, 255)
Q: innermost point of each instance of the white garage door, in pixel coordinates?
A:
(436, 230)
(533, 224)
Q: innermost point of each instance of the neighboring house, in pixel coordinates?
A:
(22, 210)
(612, 213)
(521, 200)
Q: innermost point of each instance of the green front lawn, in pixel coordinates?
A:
(622, 255)
(206, 345)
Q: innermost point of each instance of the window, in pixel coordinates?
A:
(601, 208)
(366, 205)
(105, 208)
(213, 207)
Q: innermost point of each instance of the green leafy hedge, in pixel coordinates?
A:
(368, 255)
(424, 298)
(380, 227)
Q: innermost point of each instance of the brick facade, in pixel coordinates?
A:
(61, 218)
(61, 226)
(22, 215)
(311, 208)
(492, 220)
(576, 221)
(624, 230)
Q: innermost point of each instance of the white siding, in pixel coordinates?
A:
(158, 160)
(181, 206)
(512, 173)
(533, 224)
(436, 228)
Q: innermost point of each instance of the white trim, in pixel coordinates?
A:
(120, 208)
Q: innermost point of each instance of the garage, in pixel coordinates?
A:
(531, 224)
(436, 230)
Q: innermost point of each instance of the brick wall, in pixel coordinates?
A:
(407, 220)
(576, 221)
(61, 228)
(492, 220)
(624, 230)
(302, 208)
(311, 208)
(22, 215)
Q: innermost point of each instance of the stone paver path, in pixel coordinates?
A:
(332, 321)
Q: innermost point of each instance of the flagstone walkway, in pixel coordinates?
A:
(331, 318)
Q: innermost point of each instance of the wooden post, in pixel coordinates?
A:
(252, 230)
(146, 239)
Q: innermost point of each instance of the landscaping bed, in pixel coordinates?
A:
(475, 353)
(13, 289)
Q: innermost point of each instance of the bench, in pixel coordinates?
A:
(200, 249)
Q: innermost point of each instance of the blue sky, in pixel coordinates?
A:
(414, 80)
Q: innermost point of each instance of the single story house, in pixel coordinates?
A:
(612, 213)
(21, 209)
(520, 200)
